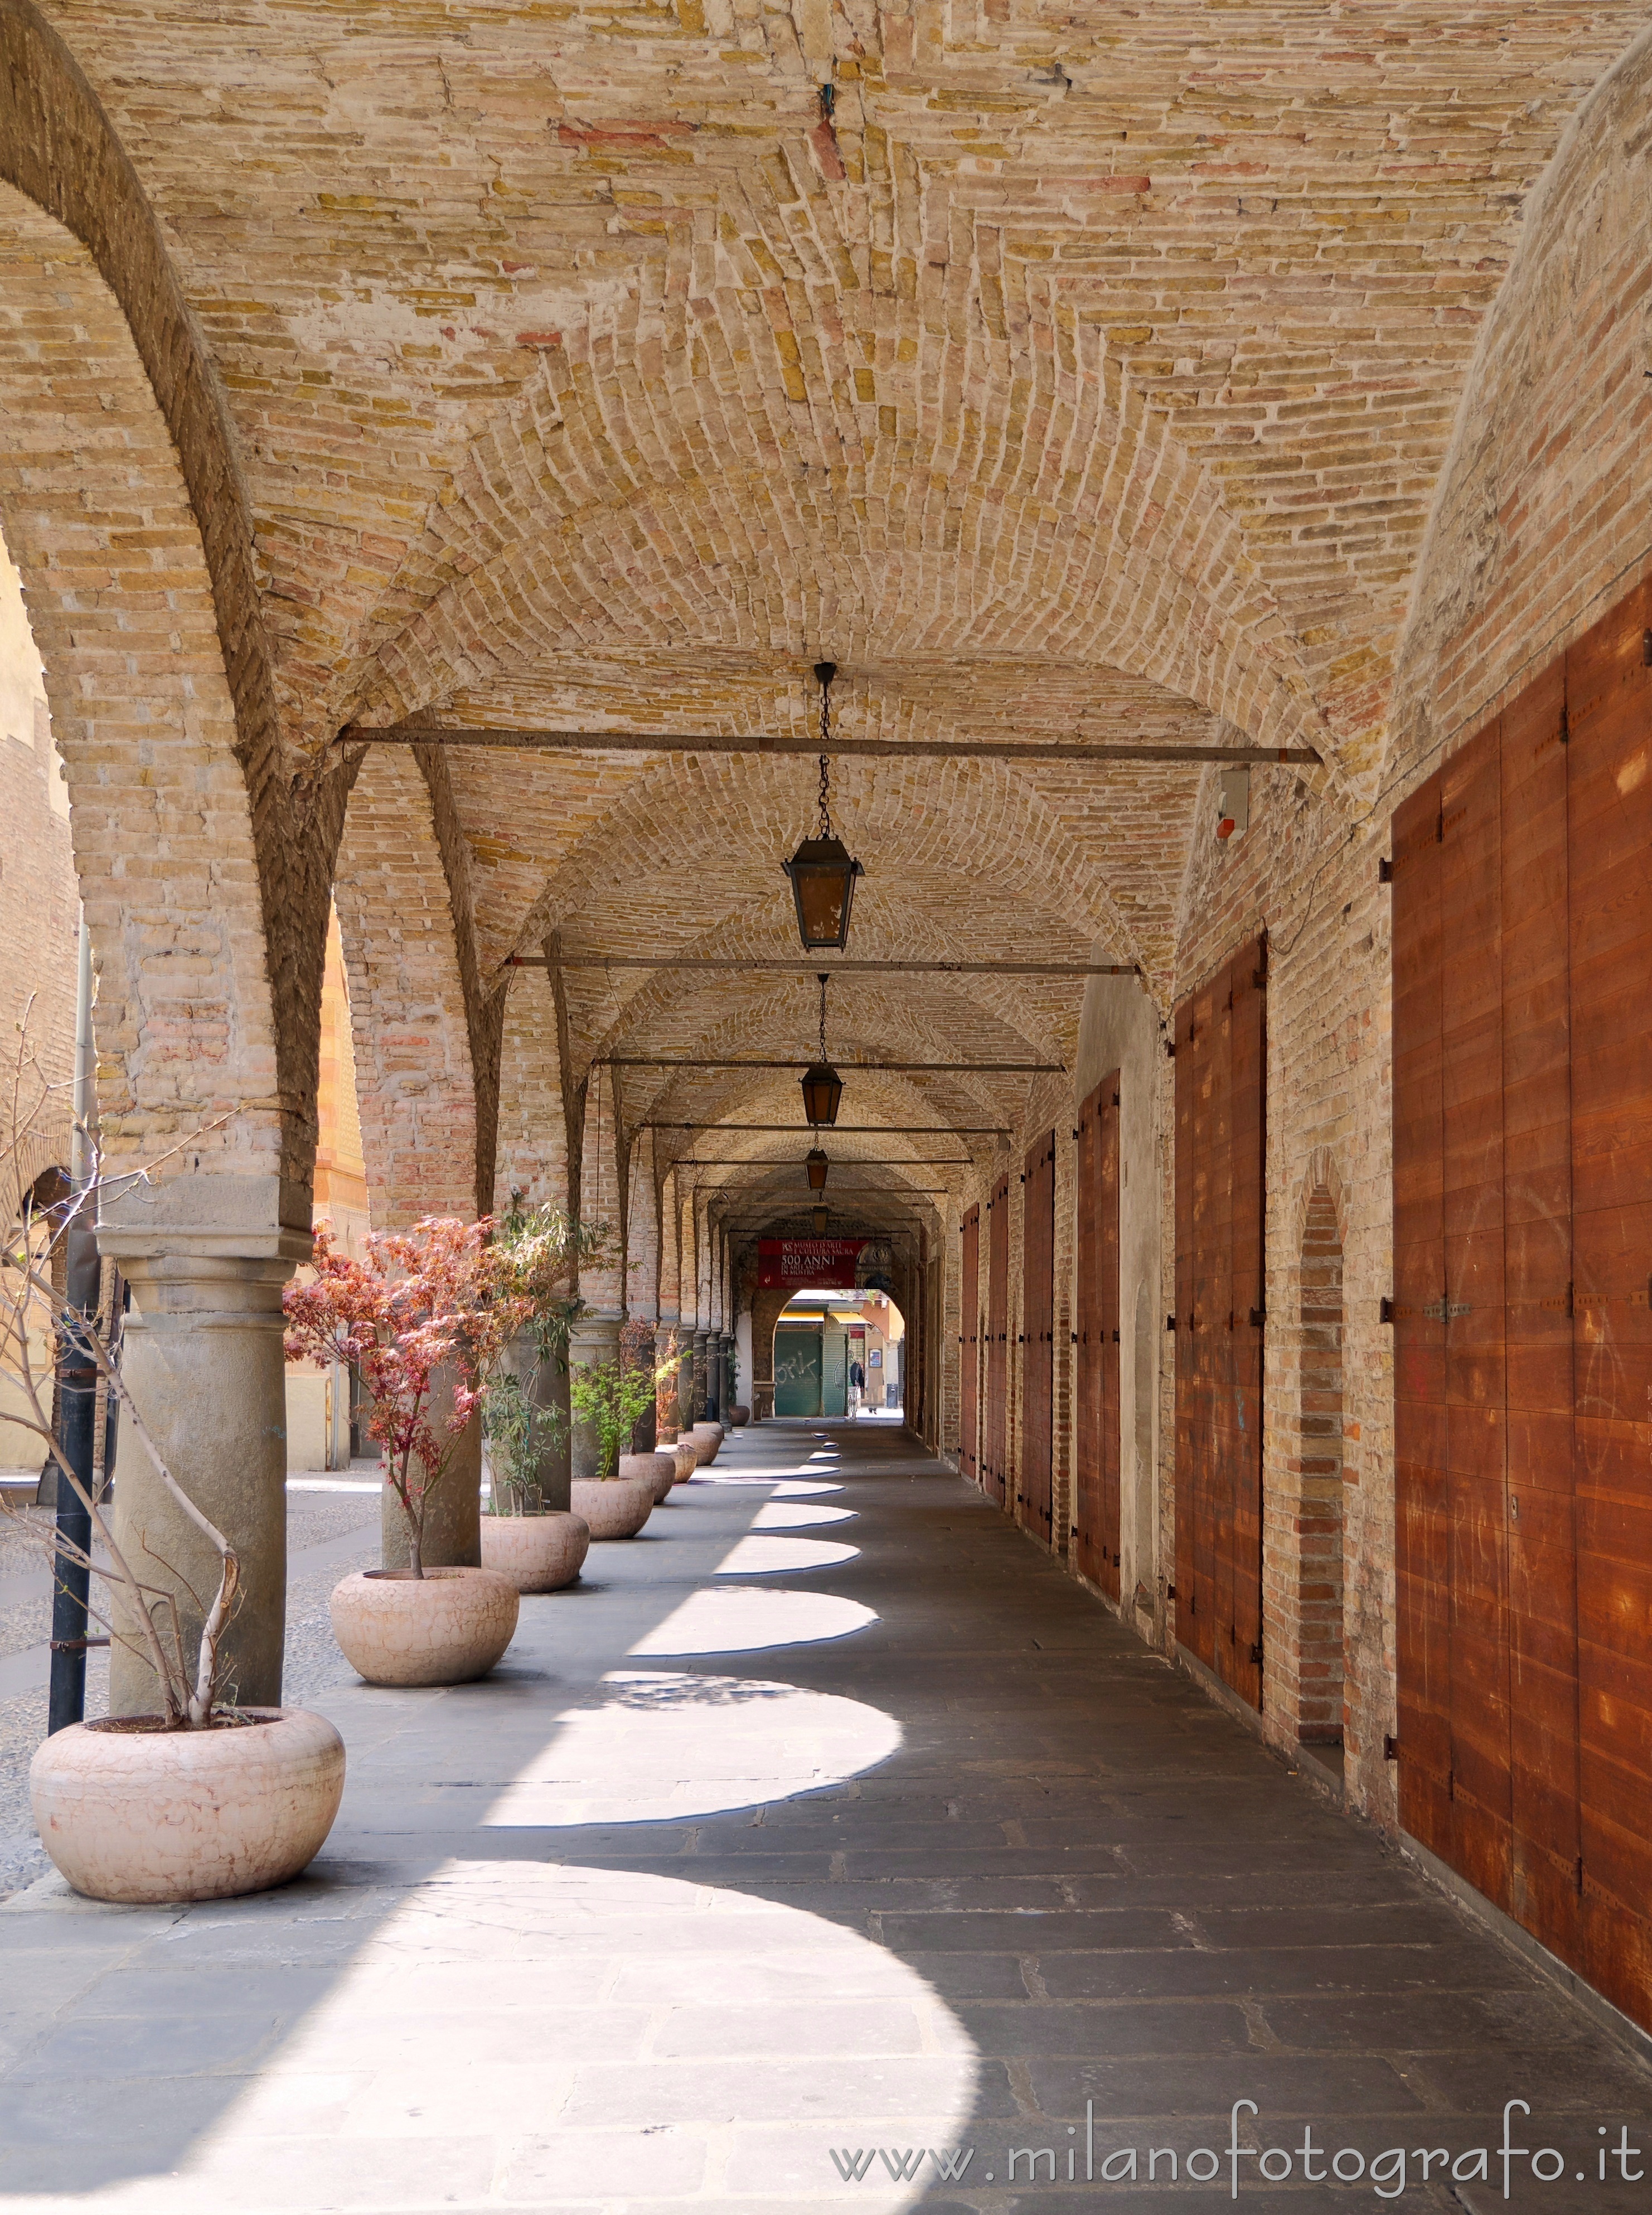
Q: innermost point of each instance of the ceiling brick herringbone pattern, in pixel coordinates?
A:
(1089, 372)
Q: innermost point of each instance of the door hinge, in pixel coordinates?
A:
(1255, 1653)
(1114, 1338)
(1259, 1317)
(1170, 1323)
(1170, 1049)
(1385, 871)
(1386, 1311)
(1389, 1746)
(1170, 1591)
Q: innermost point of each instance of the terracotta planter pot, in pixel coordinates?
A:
(707, 1438)
(538, 1553)
(657, 1470)
(613, 1508)
(444, 1627)
(739, 1417)
(150, 1816)
(686, 1456)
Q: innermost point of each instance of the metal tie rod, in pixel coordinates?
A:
(718, 964)
(848, 1068)
(848, 1130)
(490, 737)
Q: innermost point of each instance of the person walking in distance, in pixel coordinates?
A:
(857, 1387)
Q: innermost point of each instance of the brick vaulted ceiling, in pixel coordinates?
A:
(1088, 372)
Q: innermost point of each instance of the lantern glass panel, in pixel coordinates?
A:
(822, 1088)
(822, 877)
(817, 1165)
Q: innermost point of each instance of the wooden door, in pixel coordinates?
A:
(1220, 1046)
(994, 1455)
(1421, 1509)
(970, 1349)
(1522, 1308)
(1609, 765)
(1247, 995)
(1097, 1445)
(1034, 1496)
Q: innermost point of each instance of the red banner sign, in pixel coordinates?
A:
(825, 1265)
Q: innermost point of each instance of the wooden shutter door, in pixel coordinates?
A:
(1221, 1212)
(1037, 1349)
(1609, 706)
(1541, 1536)
(1189, 1435)
(1096, 1441)
(1422, 1512)
(1241, 1663)
(1105, 1242)
(969, 1346)
(1522, 946)
(998, 1285)
(1088, 1419)
(1470, 927)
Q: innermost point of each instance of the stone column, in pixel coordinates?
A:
(453, 1512)
(596, 1339)
(546, 1379)
(667, 1421)
(685, 1381)
(702, 1375)
(724, 1371)
(203, 1363)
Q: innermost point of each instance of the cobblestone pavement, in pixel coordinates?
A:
(826, 1830)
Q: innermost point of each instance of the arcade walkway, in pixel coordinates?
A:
(823, 1827)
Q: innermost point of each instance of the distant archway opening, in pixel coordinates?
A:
(840, 1353)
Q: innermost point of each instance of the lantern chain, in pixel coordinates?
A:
(822, 976)
(825, 830)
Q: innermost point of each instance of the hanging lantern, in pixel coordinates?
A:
(823, 1088)
(820, 1222)
(816, 1165)
(822, 871)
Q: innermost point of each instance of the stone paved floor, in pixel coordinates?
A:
(827, 1824)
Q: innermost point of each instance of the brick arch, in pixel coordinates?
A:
(98, 518)
(73, 202)
(1549, 447)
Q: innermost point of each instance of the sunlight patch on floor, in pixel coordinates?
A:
(747, 1620)
(782, 1557)
(517, 2034)
(783, 1515)
(657, 1746)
